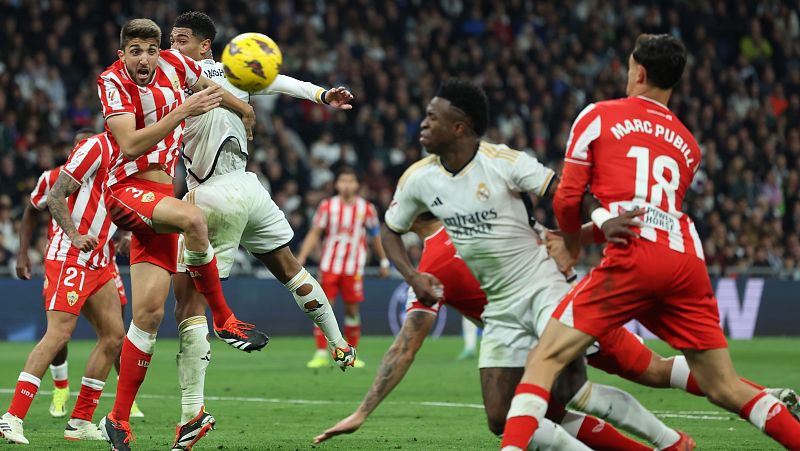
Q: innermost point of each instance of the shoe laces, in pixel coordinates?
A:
(238, 328)
(125, 427)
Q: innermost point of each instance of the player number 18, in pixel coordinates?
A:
(662, 186)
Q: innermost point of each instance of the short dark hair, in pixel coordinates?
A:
(346, 170)
(199, 22)
(139, 28)
(663, 56)
(469, 98)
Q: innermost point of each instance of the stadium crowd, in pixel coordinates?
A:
(540, 63)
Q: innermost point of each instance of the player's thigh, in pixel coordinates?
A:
(622, 353)
(104, 313)
(497, 386)
(150, 284)
(60, 325)
(137, 205)
(267, 228)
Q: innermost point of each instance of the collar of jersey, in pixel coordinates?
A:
(464, 169)
(648, 99)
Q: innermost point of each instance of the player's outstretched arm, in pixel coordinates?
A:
(426, 286)
(30, 218)
(394, 366)
(134, 143)
(339, 98)
(64, 186)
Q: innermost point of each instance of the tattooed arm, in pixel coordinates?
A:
(64, 186)
(394, 367)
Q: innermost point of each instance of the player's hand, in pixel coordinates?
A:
(427, 287)
(249, 120)
(346, 426)
(23, 266)
(85, 243)
(617, 230)
(339, 98)
(558, 251)
(123, 244)
(203, 101)
(384, 272)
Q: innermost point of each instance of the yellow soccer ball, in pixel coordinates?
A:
(251, 61)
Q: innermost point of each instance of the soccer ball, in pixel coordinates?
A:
(251, 61)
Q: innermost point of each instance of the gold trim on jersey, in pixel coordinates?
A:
(430, 159)
(493, 151)
(318, 95)
(547, 183)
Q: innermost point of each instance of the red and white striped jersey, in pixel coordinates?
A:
(40, 192)
(633, 152)
(88, 164)
(344, 249)
(119, 94)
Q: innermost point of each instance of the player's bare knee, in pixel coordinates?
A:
(195, 224)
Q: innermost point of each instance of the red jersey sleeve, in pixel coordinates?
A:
(321, 215)
(577, 172)
(189, 71)
(113, 96)
(84, 159)
(42, 189)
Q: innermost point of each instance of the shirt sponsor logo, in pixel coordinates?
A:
(472, 224)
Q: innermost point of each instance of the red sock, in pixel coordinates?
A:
(61, 383)
(522, 423)
(27, 386)
(319, 337)
(89, 396)
(599, 435)
(132, 369)
(768, 414)
(206, 281)
(352, 330)
(693, 388)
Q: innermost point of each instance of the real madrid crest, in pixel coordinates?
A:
(72, 298)
(483, 192)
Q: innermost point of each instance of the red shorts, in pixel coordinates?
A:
(667, 291)
(67, 286)
(123, 298)
(461, 289)
(621, 353)
(130, 204)
(351, 287)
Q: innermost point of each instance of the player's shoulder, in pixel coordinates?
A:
(417, 169)
(498, 152)
(113, 73)
(172, 56)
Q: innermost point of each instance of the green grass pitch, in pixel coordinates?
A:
(270, 401)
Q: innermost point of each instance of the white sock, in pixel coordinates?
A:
(59, 372)
(624, 411)
(144, 341)
(470, 333)
(193, 359)
(28, 377)
(552, 437)
(198, 258)
(679, 375)
(316, 306)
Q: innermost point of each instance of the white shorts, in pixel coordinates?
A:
(238, 210)
(512, 325)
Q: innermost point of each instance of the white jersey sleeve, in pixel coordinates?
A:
(406, 204)
(527, 174)
(284, 84)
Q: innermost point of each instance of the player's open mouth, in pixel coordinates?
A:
(143, 73)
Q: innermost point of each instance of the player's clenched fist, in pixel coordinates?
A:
(427, 287)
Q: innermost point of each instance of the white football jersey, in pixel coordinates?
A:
(205, 136)
(482, 209)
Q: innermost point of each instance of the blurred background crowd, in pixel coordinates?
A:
(540, 62)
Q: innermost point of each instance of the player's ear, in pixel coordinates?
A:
(205, 46)
(120, 53)
(641, 74)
